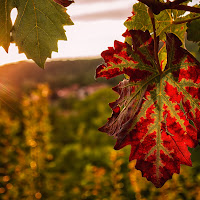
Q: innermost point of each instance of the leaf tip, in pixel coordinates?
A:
(64, 3)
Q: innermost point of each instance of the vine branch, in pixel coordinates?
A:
(186, 8)
(158, 6)
(186, 20)
(177, 2)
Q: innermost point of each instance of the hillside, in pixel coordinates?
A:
(21, 76)
(57, 74)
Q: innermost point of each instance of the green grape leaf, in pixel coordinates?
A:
(193, 31)
(5, 23)
(38, 27)
(164, 21)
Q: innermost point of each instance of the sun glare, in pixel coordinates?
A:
(13, 15)
(85, 38)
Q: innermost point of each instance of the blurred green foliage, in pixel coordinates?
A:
(51, 148)
(52, 152)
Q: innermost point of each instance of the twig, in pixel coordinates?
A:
(186, 8)
(157, 6)
(186, 20)
(177, 2)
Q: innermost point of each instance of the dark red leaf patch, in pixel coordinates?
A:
(158, 114)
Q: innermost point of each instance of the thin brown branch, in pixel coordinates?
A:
(186, 20)
(177, 2)
(157, 6)
(186, 8)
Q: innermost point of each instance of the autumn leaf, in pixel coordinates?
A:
(166, 21)
(64, 3)
(158, 114)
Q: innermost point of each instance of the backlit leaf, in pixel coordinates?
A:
(193, 31)
(158, 114)
(5, 23)
(38, 27)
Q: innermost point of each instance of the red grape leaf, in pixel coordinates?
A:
(64, 3)
(157, 114)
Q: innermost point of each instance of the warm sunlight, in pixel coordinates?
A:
(97, 25)
(110, 117)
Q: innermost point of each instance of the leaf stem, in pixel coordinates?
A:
(151, 15)
(186, 20)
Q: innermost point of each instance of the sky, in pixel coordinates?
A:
(97, 23)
